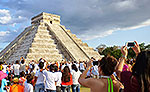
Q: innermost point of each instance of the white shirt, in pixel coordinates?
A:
(50, 80)
(77, 65)
(58, 75)
(82, 66)
(28, 87)
(36, 67)
(16, 69)
(69, 65)
(75, 76)
(22, 67)
(41, 77)
(4, 68)
(95, 70)
(62, 67)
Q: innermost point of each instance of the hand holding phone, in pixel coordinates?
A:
(131, 44)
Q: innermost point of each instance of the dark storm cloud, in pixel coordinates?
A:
(87, 18)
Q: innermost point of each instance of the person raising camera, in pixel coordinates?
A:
(139, 79)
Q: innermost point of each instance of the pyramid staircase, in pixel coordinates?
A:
(47, 39)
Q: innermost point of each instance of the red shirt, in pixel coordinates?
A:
(68, 83)
(22, 81)
(130, 82)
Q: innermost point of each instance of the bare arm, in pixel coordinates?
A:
(136, 48)
(124, 51)
(121, 61)
(82, 79)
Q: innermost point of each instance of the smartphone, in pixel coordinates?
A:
(130, 44)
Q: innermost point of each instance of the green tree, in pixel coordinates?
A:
(142, 46)
(107, 51)
(116, 53)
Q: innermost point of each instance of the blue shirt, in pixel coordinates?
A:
(3, 84)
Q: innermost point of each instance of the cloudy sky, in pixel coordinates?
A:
(110, 22)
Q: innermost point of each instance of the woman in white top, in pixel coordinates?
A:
(75, 76)
(58, 75)
(40, 79)
(16, 68)
(22, 65)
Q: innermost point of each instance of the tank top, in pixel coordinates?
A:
(110, 83)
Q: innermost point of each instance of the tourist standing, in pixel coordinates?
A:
(66, 79)
(104, 83)
(50, 79)
(22, 65)
(22, 78)
(75, 76)
(82, 66)
(5, 67)
(58, 75)
(16, 67)
(28, 87)
(16, 87)
(3, 82)
(139, 79)
(40, 78)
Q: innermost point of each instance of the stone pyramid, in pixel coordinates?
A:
(47, 38)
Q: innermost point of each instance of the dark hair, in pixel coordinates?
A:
(66, 74)
(22, 74)
(17, 61)
(141, 70)
(52, 68)
(22, 61)
(1, 63)
(74, 67)
(108, 64)
(41, 65)
(55, 68)
(29, 78)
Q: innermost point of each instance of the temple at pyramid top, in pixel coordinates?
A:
(47, 18)
(47, 38)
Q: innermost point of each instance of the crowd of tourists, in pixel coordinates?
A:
(105, 75)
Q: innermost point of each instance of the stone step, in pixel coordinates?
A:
(43, 45)
(43, 41)
(43, 50)
(43, 36)
(39, 55)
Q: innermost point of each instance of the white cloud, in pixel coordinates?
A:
(5, 16)
(4, 33)
(143, 24)
(87, 18)
(125, 4)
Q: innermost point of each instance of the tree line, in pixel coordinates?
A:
(115, 51)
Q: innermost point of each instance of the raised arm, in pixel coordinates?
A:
(82, 79)
(136, 48)
(122, 60)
